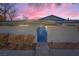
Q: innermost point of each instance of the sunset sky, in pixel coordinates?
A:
(39, 10)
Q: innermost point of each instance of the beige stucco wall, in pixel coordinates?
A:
(15, 30)
(55, 33)
(63, 34)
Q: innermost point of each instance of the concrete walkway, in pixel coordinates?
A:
(42, 49)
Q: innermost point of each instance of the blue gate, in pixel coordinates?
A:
(41, 34)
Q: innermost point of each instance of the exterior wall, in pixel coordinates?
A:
(63, 34)
(55, 33)
(15, 30)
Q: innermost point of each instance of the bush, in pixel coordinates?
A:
(3, 40)
(22, 41)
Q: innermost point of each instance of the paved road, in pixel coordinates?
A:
(16, 53)
(52, 52)
(64, 52)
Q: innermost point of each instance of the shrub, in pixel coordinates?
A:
(22, 41)
(3, 40)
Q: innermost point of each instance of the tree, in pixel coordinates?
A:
(7, 10)
(2, 18)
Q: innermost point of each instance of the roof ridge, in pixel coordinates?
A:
(52, 16)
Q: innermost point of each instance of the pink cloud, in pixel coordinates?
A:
(42, 10)
(35, 12)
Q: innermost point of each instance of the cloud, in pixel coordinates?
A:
(38, 10)
(58, 4)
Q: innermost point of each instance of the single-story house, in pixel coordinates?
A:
(58, 29)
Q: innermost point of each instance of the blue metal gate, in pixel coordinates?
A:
(41, 34)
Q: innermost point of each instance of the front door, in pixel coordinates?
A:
(41, 34)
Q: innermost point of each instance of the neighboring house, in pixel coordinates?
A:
(58, 29)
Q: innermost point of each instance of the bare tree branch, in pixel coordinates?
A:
(7, 10)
